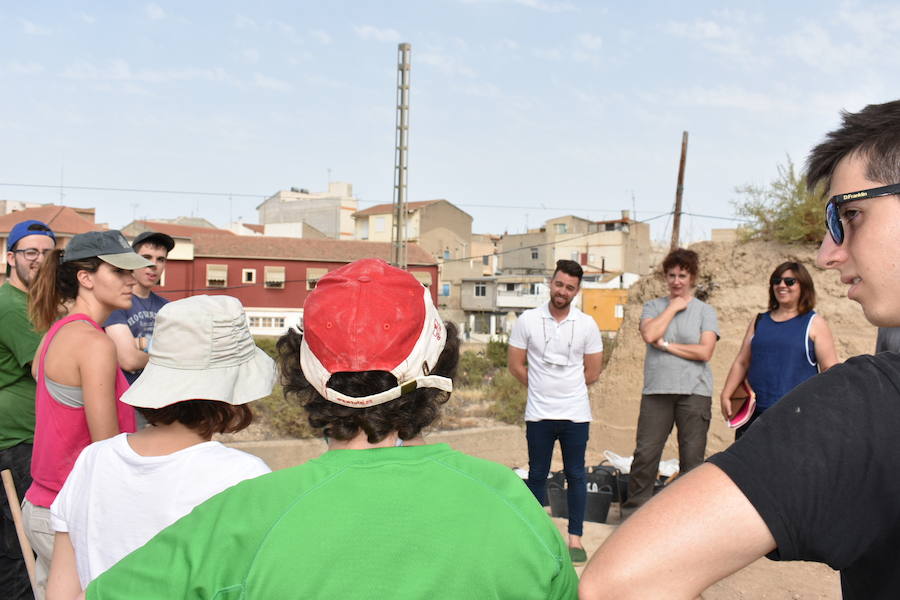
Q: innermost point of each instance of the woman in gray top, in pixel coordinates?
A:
(681, 333)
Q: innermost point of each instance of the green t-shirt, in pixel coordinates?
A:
(409, 522)
(18, 343)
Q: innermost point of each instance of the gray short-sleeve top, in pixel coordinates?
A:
(666, 373)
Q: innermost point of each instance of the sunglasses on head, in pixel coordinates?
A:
(832, 209)
(788, 281)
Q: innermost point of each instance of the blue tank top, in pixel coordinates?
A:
(781, 356)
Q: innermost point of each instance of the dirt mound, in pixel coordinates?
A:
(733, 278)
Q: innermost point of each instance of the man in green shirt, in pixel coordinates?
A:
(28, 243)
(382, 514)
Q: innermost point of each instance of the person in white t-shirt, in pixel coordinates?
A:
(564, 354)
(203, 369)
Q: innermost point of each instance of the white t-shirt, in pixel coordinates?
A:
(556, 387)
(115, 500)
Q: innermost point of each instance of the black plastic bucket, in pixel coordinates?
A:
(596, 509)
(559, 504)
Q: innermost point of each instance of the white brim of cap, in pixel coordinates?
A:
(160, 386)
(126, 260)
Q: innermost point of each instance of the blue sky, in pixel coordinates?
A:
(521, 110)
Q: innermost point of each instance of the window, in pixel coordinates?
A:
(510, 287)
(610, 227)
(534, 254)
(267, 322)
(446, 254)
(445, 289)
(560, 227)
(620, 311)
(379, 224)
(248, 275)
(480, 289)
(575, 255)
(216, 275)
(274, 277)
(533, 289)
(313, 276)
(486, 259)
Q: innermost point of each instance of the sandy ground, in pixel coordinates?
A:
(735, 276)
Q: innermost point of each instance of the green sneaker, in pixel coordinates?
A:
(578, 556)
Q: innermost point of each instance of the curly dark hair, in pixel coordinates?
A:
(680, 257)
(206, 417)
(408, 415)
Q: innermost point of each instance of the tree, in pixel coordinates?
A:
(783, 211)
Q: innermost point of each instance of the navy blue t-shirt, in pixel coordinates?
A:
(140, 318)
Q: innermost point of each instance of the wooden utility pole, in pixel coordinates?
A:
(401, 146)
(676, 222)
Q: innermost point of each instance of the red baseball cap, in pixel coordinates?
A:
(370, 316)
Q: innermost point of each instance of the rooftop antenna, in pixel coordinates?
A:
(401, 146)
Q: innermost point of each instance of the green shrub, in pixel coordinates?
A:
(495, 352)
(284, 415)
(507, 397)
(472, 370)
(266, 343)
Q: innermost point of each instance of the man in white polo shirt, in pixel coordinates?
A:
(564, 355)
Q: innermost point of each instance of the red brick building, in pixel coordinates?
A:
(272, 276)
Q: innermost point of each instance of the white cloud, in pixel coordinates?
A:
(547, 53)
(730, 37)
(445, 64)
(369, 32)
(86, 18)
(19, 68)
(243, 22)
(31, 29)
(270, 83)
(250, 56)
(541, 5)
(154, 12)
(588, 41)
(119, 70)
(320, 36)
(508, 44)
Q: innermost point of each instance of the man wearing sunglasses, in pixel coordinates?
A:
(28, 243)
(816, 478)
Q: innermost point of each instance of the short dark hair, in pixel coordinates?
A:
(681, 257)
(408, 415)
(570, 268)
(205, 417)
(807, 300)
(153, 244)
(872, 133)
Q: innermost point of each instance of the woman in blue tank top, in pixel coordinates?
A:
(782, 347)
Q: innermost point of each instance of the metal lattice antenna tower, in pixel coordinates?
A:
(398, 250)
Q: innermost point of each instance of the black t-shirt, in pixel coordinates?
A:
(822, 468)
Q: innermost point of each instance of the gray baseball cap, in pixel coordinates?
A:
(110, 246)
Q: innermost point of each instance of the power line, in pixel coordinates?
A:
(264, 196)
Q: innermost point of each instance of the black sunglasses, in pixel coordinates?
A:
(832, 209)
(788, 281)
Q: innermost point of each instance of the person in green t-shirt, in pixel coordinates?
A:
(381, 513)
(28, 243)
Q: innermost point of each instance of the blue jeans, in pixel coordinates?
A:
(573, 437)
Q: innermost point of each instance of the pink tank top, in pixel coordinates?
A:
(61, 432)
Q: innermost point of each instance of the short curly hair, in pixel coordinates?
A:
(680, 257)
(408, 415)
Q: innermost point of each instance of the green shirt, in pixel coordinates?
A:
(409, 522)
(18, 343)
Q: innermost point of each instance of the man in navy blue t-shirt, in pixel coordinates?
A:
(132, 329)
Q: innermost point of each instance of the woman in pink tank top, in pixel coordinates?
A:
(82, 284)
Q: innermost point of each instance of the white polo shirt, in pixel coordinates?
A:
(556, 387)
